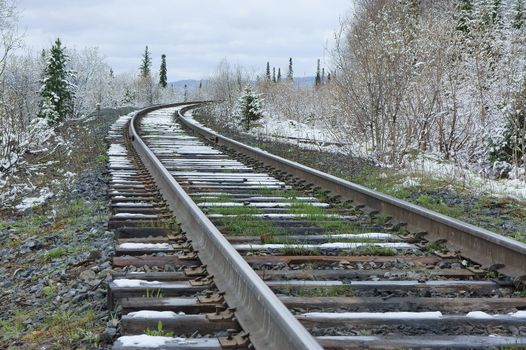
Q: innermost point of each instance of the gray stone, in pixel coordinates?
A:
(105, 265)
(108, 335)
(87, 275)
(94, 255)
(94, 282)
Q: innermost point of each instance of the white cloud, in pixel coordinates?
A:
(194, 35)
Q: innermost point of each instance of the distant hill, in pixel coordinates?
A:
(190, 83)
(302, 81)
(193, 84)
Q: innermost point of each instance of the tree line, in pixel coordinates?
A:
(38, 92)
(409, 78)
(443, 77)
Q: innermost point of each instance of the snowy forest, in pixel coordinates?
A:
(445, 78)
(403, 78)
(40, 90)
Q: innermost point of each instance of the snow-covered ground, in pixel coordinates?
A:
(307, 136)
(30, 202)
(425, 166)
(428, 165)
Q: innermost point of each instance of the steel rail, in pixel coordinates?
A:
(258, 310)
(480, 245)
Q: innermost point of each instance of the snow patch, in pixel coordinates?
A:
(375, 315)
(146, 341)
(135, 215)
(429, 165)
(30, 202)
(335, 245)
(521, 314)
(138, 246)
(478, 315)
(410, 182)
(131, 283)
(152, 314)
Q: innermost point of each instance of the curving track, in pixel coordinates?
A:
(266, 253)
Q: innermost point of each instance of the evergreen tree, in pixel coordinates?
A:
(273, 74)
(185, 97)
(487, 14)
(279, 75)
(267, 72)
(249, 107)
(518, 18)
(317, 82)
(163, 78)
(290, 73)
(146, 64)
(329, 78)
(496, 14)
(464, 15)
(56, 90)
(323, 75)
(112, 75)
(128, 97)
(200, 85)
(508, 144)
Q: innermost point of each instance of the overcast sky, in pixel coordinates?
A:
(194, 34)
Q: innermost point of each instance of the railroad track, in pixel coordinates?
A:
(222, 246)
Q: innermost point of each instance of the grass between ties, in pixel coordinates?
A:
(241, 221)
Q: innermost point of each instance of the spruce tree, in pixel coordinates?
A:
(509, 143)
(518, 18)
(273, 74)
(317, 81)
(163, 79)
(267, 72)
(56, 90)
(323, 75)
(146, 63)
(128, 97)
(496, 14)
(290, 73)
(249, 107)
(464, 14)
(279, 75)
(329, 78)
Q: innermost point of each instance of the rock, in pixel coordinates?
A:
(108, 335)
(169, 268)
(87, 275)
(105, 265)
(94, 255)
(443, 265)
(78, 298)
(32, 245)
(456, 266)
(94, 282)
(413, 275)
